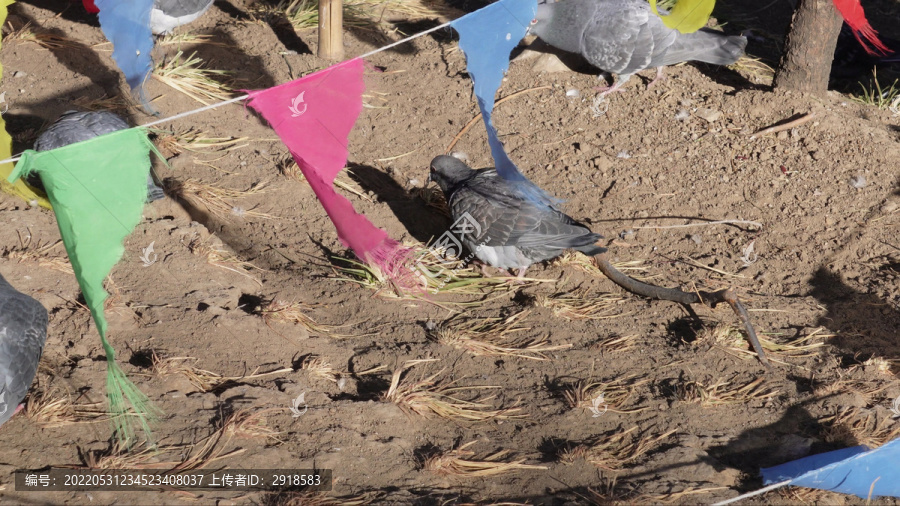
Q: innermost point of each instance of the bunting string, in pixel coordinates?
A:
(216, 105)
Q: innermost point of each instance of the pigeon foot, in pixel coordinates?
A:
(659, 77)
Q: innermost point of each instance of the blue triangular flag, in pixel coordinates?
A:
(487, 37)
(858, 471)
(126, 23)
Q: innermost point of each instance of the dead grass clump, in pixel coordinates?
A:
(616, 344)
(244, 424)
(120, 457)
(304, 14)
(754, 67)
(431, 273)
(881, 365)
(614, 395)
(321, 368)
(434, 198)
(194, 140)
(634, 268)
(204, 380)
(118, 104)
(853, 426)
(200, 455)
(615, 451)
(461, 463)
(678, 497)
(579, 305)
(215, 199)
(296, 313)
(306, 498)
(802, 495)
(58, 409)
(724, 392)
(429, 396)
(177, 39)
(733, 340)
(41, 254)
(289, 168)
(46, 40)
(187, 76)
(494, 337)
(222, 258)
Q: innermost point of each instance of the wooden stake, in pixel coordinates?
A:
(331, 31)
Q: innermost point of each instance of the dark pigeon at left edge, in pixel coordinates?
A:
(23, 332)
(76, 126)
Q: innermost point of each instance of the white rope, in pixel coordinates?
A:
(243, 97)
(754, 493)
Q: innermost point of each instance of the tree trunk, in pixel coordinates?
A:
(809, 47)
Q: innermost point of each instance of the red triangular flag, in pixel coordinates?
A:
(855, 17)
(313, 116)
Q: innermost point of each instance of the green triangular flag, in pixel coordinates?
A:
(98, 188)
(687, 16)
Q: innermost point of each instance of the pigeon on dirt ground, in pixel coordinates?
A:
(625, 36)
(23, 331)
(499, 225)
(77, 126)
(167, 14)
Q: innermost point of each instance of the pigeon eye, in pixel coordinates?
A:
(534, 21)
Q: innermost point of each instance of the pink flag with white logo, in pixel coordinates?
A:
(313, 116)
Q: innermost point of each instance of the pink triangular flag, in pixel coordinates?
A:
(313, 116)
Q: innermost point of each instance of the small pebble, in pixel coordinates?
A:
(19, 73)
(858, 182)
(697, 239)
(710, 115)
(573, 93)
(459, 155)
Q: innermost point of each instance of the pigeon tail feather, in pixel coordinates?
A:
(707, 46)
(591, 250)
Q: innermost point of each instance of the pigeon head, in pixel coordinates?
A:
(561, 24)
(448, 172)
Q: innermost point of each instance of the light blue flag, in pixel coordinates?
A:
(487, 36)
(126, 23)
(858, 471)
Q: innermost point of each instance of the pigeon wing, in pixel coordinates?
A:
(616, 39)
(23, 331)
(75, 126)
(508, 219)
(181, 8)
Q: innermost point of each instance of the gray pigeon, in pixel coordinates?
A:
(23, 331)
(76, 126)
(497, 222)
(168, 14)
(625, 36)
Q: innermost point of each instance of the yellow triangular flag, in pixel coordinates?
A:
(687, 16)
(19, 188)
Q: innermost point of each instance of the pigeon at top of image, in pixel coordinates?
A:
(78, 126)
(507, 229)
(23, 331)
(167, 14)
(625, 36)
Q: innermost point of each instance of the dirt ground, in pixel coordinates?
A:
(687, 414)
